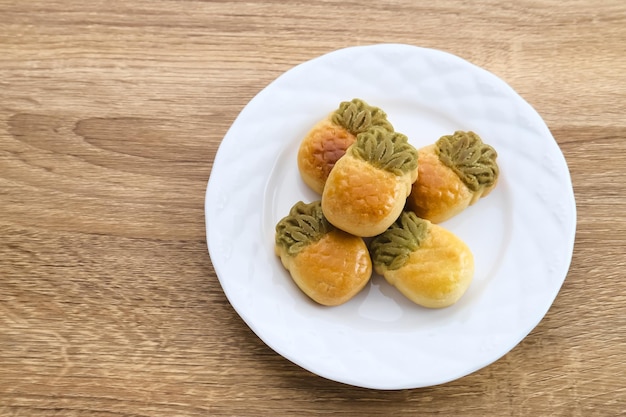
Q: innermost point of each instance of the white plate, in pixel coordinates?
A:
(522, 234)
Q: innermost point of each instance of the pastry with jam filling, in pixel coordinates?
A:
(328, 140)
(427, 263)
(367, 189)
(454, 173)
(327, 264)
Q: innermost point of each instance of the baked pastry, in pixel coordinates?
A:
(328, 140)
(327, 264)
(454, 173)
(367, 188)
(427, 263)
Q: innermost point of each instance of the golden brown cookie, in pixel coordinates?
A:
(427, 263)
(329, 139)
(327, 264)
(453, 174)
(367, 189)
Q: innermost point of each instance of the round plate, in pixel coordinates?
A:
(522, 234)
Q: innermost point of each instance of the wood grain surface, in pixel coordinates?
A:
(111, 114)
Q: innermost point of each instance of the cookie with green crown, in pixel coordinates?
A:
(454, 173)
(427, 263)
(327, 264)
(328, 140)
(367, 188)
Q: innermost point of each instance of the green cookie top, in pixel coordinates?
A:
(393, 247)
(471, 159)
(357, 116)
(386, 150)
(304, 225)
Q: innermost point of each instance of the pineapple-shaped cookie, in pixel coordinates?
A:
(427, 263)
(327, 264)
(367, 188)
(454, 173)
(328, 140)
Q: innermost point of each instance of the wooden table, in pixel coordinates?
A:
(110, 117)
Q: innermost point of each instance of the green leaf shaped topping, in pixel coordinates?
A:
(357, 116)
(393, 247)
(304, 225)
(386, 150)
(471, 159)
